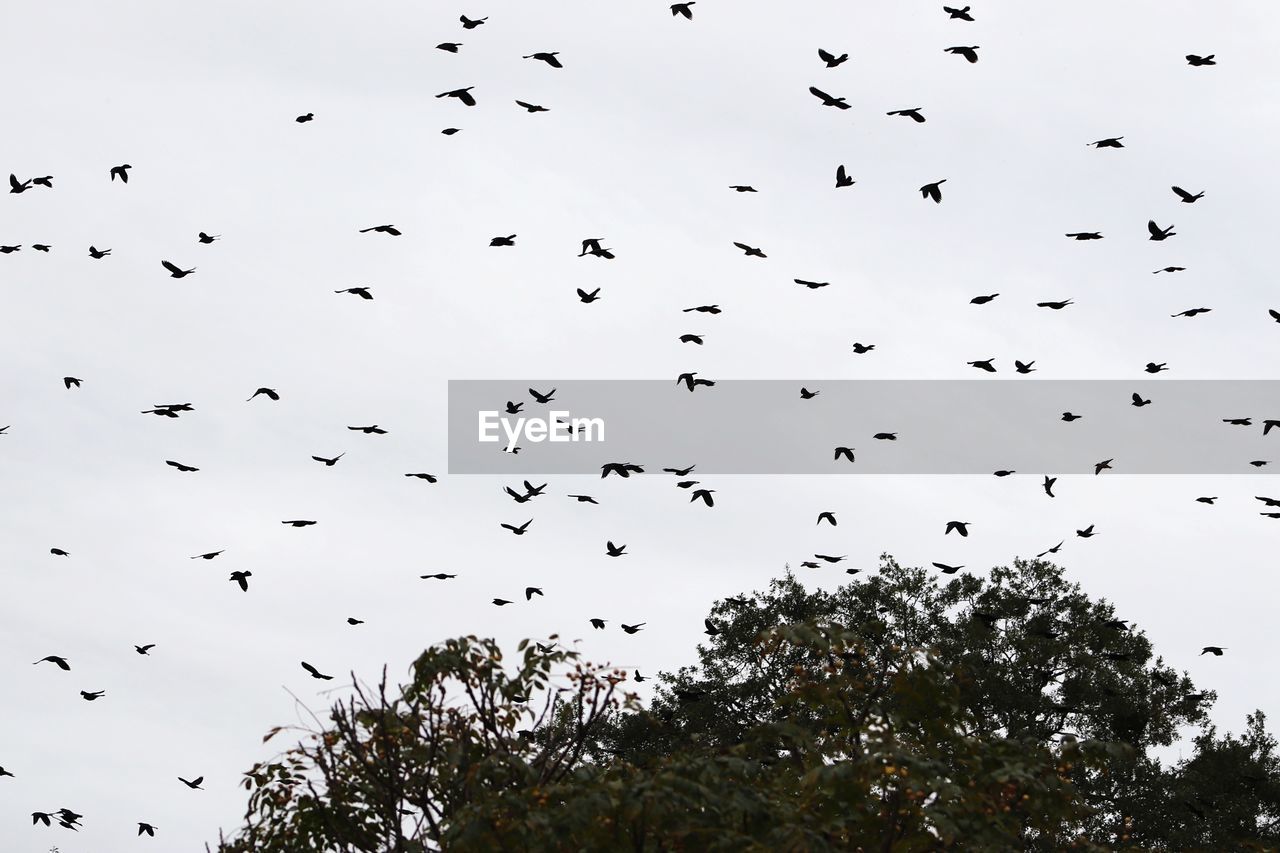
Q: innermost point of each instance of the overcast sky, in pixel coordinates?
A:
(651, 119)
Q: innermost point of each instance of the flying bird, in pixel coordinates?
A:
(56, 660)
(208, 238)
(685, 9)
(16, 186)
(958, 14)
(209, 556)
(704, 495)
(147, 828)
(1048, 485)
(362, 292)
(933, 191)
(1085, 235)
(305, 117)
(1104, 465)
(194, 784)
(269, 393)
(588, 298)
(186, 469)
(368, 430)
(827, 516)
(631, 629)
(463, 95)
(69, 381)
(969, 53)
(91, 695)
(329, 463)
(298, 522)
(449, 46)
(533, 108)
(913, 113)
(509, 240)
(743, 188)
(468, 24)
(842, 178)
(519, 531)
(98, 254)
(961, 527)
(614, 550)
(382, 229)
(315, 673)
(242, 578)
(1109, 142)
(1197, 61)
(175, 271)
(142, 650)
(846, 452)
(1216, 651)
(750, 251)
(831, 59)
(1138, 401)
(121, 172)
(1158, 233)
(549, 58)
(1187, 198)
(1192, 312)
(828, 100)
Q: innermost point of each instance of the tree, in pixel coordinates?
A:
(903, 712)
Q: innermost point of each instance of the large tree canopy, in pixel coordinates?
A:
(902, 712)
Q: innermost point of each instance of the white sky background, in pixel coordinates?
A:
(651, 119)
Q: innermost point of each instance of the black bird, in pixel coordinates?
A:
(958, 14)
(40, 817)
(688, 380)
(1206, 500)
(186, 469)
(382, 229)
(1216, 651)
(1085, 235)
(369, 430)
(315, 673)
(827, 516)
(863, 349)
(1110, 142)
(430, 478)
(57, 661)
(947, 570)
(1187, 198)
(1269, 425)
(1004, 473)
(584, 499)
(743, 188)
(68, 381)
(591, 246)
(983, 300)
(684, 9)
(269, 393)
(549, 58)
(704, 495)
(194, 784)
(842, 178)
(305, 117)
(9, 250)
(806, 394)
(985, 364)
(519, 531)
(831, 59)
(1023, 368)
(329, 463)
(1056, 306)
(691, 339)
(175, 271)
(147, 828)
(640, 679)
(463, 95)
(438, 576)
(703, 309)
(1069, 417)
(812, 285)
(46, 181)
(1086, 533)
(711, 629)
(830, 559)
(1104, 465)
(614, 550)
(588, 298)
(449, 46)
(58, 552)
(98, 254)
(969, 53)
(598, 624)
(933, 191)
(680, 472)
(351, 620)
(1152, 367)
(1138, 401)
(961, 527)
(503, 241)
(208, 238)
(91, 695)
(1168, 269)
(1191, 312)
(1238, 421)
(533, 108)
(468, 24)
(1158, 233)
(886, 436)
(208, 556)
(142, 650)
(298, 522)
(1197, 61)
(362, 292)
(914, 114)
(846, 452)
(828, 100)
(1052, 550)
(631, 629)
(622, 469)
(1275, 315)
(16, 186)
(531, 591)
(41, 247)
(499, 602)
(121, 172)
(241, 578)
(750, 251)
(1047, 485)
(514, 408)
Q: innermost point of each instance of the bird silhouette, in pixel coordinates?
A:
(829, 100)
(913, 113)
(533, 108)
(969, 53)
(1158, 233)
(584, 499)
(947, 570)
(827, 516)
(315, 673)
(298, 522)
(142, 650)
(842, 178)
(58, 552)
(382, 229)
(194, 784)
(1048, 485)
(961, 527)
(750, 251)
(92, 695)
(1023, 367)
(1168, 269)
(449, 46)
(362, 292)
(831, 59)
(631, 629)
(438, 576)
(463, 95)
(1085, 235)
(208, 238)
(16, 186)
(1109, 142)
(41, 247)
(241, 578)
(1138, 401)
(368, 430)
(704, 495)
(70, 381)
(186, 469)
(1216, 651)
(846, 452)
(1104, 465)
(614, 550)
(56, 660)
(984, 364)
(430, 478)
(743, 188)
(98, 254)
(45, 181)
(1152, 367)
(519, 531)
(468, 24)
(149, 829)
(1186, 197)
(588, 298)
(806, 394)
(208, 556)
(305, 117)
(269, 393)
(1197, 61)
(684, 9)
(862, 349)
(329, 463)
(958, 14)
(1056, 306)
(1192, 312)
(1086, 533)
(175, 271)
(503, 241)
(121, 172)
(549, 58)
(933, 191)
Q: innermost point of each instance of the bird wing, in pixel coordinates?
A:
(1153, 228)
(170, 267)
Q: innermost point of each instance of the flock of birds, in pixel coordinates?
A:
(528, 492)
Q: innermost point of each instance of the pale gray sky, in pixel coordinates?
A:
(651, 119)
